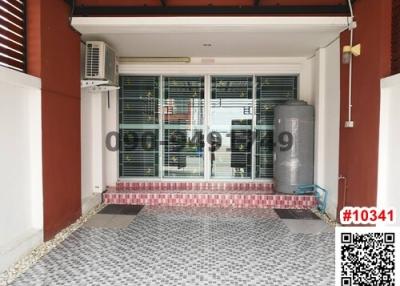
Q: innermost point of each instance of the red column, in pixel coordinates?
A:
(54, 56)
(359, 145)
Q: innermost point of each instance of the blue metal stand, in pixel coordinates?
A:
(316, 190)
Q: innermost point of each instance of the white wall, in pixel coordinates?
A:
(327, 119)
(110, 125)
(307, 79)
(99, 165)
(389, 142)
(21, 199)
(92, 162)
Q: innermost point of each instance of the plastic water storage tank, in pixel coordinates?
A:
(293, 146)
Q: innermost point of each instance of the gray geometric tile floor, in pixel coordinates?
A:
(190, 246)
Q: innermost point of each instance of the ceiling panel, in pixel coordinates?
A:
(213, 36)
(222, 44)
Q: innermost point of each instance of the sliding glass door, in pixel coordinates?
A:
(165, 122)
(183, 113)
(231, 126)
(139, 126)
(271, 91)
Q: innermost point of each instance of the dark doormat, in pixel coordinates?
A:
(121, 209)
(295, 214)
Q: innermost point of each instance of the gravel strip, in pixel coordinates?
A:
(325, 218)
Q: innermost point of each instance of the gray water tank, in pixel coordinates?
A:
(293, 146)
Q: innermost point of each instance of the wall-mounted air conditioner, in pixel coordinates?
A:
(101, 63)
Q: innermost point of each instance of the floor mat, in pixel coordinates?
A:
(295, 214)
(121, 209)
(109, 221)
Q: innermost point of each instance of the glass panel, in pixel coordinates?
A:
(264, 160)
(139, 126)
(271, 91)
(139, 100)
(183, 155)
(231, 126)
(183, 111)
(139, 153)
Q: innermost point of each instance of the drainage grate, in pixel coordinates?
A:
(121, 209)
(295, 214)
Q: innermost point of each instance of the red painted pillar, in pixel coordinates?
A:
(359, 145)
(54, 56)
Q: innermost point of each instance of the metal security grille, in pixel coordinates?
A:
(12, 34)
(271, 91)
(183, 113)
(231, 119)
(178, 110)
(139, 126)
(232, 87)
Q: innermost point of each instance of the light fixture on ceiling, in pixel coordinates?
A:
(154, 59)
(207, 45)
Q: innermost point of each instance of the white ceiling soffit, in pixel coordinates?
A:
(212, 36)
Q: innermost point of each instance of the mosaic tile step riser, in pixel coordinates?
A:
(243, 201)
(180, 186)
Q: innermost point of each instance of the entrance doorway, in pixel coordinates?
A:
(199, 127)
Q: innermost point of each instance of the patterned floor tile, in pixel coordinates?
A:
(190, 246)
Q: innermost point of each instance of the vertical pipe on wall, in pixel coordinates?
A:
(351, 28)
(350, 76)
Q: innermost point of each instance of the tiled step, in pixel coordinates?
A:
(209, 198)
(194, 186)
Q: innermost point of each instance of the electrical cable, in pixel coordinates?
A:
(351, 28)
(324, 47)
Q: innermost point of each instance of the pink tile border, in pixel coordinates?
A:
(244, 200)
(178, 186)
(205, 194)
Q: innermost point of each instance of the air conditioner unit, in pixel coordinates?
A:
(101, 63)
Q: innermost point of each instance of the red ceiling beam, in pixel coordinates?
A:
(341, 9)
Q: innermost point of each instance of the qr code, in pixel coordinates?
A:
(367, 259)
